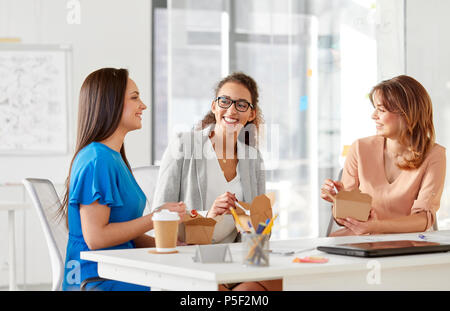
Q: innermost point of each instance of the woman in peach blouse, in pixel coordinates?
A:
(401, 168)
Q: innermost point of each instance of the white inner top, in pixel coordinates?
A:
(225, 230)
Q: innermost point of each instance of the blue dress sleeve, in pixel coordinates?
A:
(95, 181)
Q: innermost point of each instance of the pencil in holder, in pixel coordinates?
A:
(255, 249)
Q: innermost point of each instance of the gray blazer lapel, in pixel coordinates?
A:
(244, 171)
(200, 162)
(201, 178)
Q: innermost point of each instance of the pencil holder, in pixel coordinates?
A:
(255, 249)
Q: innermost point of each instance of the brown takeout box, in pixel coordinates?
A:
(260, 209)
(352, 204)
(196, 230)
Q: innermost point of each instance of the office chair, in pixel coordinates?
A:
(46, 202)
(146, 177)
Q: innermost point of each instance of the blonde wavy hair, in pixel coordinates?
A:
(405, 96)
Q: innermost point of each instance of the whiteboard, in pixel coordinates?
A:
(33, 99)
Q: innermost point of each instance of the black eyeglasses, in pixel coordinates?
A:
(240, 104)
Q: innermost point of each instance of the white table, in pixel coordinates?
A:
(11, 208)
(180, 272)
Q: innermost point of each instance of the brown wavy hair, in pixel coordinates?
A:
(100, 110)
(249, 83)
(404, 95)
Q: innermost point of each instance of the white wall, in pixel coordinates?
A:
(427, 60)
(375, 59)
(112, 33)
(390, 21)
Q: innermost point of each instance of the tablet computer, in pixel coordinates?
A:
(385, 248)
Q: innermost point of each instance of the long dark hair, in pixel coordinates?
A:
(249, 83)
(99, 113)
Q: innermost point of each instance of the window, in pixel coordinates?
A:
(306, 57)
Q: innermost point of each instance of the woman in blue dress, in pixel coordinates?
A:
(103, 204)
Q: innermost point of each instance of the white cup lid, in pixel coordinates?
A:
(165, 215)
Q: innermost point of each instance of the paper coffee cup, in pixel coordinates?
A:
(166, 230)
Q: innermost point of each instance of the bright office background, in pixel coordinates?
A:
(315, 61)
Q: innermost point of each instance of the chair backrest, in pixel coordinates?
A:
(146, 177)
(46, 202)
(435, 225)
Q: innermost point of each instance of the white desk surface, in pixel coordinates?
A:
(180, 272)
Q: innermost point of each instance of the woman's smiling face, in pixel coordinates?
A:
(132, 108)
(231, 120)
(388, 124)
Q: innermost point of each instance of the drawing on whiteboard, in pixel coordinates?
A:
(33, 103)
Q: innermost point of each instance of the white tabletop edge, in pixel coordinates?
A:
(279, 264)
(108, 257)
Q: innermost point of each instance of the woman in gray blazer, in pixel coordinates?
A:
(217, 164)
